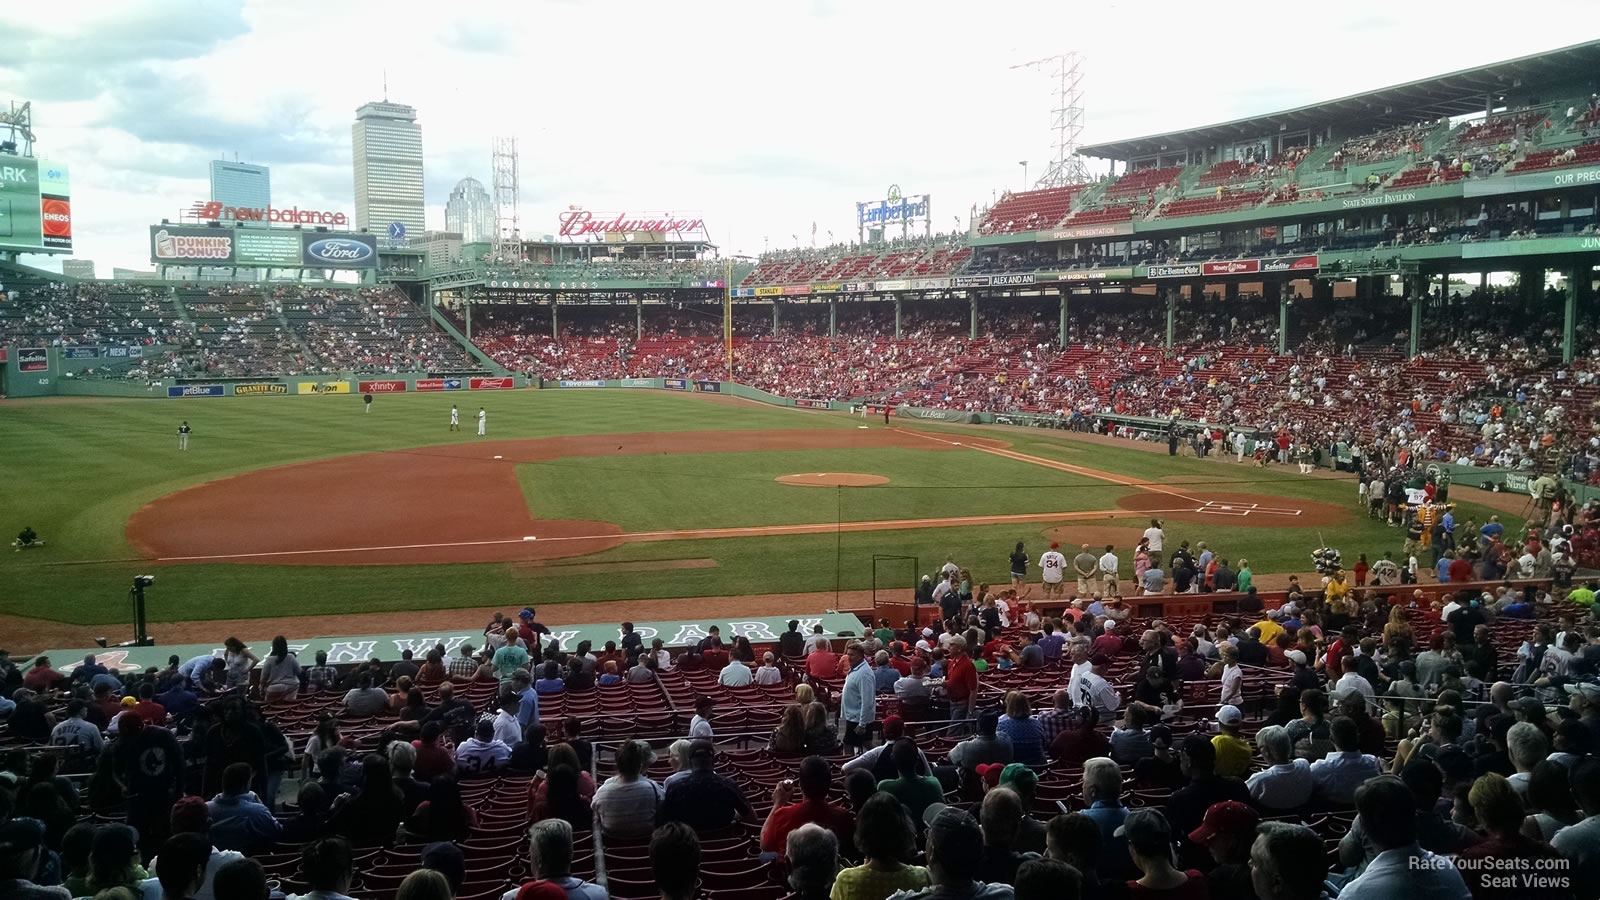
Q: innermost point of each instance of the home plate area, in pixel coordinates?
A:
(1217, 508)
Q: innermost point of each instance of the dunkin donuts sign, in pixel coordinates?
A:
(190, 245)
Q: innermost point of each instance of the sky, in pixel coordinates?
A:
(760, 117)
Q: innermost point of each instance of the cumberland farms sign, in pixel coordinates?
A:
(388, 647)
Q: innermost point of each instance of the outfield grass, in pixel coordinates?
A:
(75, 472)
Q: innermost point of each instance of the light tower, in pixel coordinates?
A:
(1066, 118)
(16, 129)
(507, 236)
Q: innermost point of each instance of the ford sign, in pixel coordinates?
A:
(341, 252)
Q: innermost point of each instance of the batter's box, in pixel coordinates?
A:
(1219, 508)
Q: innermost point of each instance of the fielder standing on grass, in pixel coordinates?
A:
(183, 436)
(483, 419)
(455, 418)
(367, 399)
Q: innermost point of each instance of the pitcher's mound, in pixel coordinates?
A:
(833, 479)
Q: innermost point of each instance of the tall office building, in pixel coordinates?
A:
(470, 212)
(387, 145)
(240, 184)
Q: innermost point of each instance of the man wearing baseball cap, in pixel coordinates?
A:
(530, 629)
(1186, 808)
(1149, 838)
(1054, 567)
(955, 853)
(21, 843)
(1226, 833)
(1094, 690)
(1233, 751)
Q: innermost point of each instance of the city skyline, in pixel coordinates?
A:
(240, 184)
(139, 126)
(387, 159)
(470, 212)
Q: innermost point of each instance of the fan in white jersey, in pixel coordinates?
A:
(483, 752)
(1054, 566)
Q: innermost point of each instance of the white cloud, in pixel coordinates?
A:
(760, 117)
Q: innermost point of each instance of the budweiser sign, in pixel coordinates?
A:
(579, 222)
(294, 215)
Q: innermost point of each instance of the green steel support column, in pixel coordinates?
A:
(973, 335)
(467, 295)
(897, 317)
(1063, 333)
(638, 318)
(1571, 311)
(774, 318)
(1416, 327)
(555, 326)
(1283, 324)
(1172, 315)
(833, 317)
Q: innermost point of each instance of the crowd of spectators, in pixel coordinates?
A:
(1359, 737)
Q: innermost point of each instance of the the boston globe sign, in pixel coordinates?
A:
(198, 245)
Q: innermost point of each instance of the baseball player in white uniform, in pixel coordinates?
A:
(1054, 566)
(455, 419)
(482, 421)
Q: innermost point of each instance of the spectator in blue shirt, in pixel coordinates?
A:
(1020, 728)
(1102, 791)
(858, 701)
(884, 675)
(1493, 530)
(86, 672)
(239, 820)
(528, 699)
(179, 700)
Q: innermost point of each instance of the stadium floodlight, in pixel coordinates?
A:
(17, 124)
(1066, 118)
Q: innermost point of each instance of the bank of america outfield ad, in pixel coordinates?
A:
(273, 247)
(35, 205)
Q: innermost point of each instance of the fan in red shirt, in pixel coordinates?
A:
(822, 663)
(898, 659)
(41, 677)
(961, 681)
(148, 709)
(814, 782)
(1108, 643)
(1460, 570)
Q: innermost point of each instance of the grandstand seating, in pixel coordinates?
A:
(1141, 181)
(1029, 210)
(1559, 158)
(496, 846)
(1205, 206)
